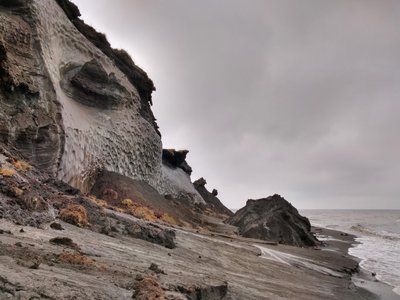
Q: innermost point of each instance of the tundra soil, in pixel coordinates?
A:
(204, 265)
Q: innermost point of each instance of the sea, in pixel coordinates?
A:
(378, 237)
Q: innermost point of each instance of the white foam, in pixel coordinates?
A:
(380, 256)
(378, 236)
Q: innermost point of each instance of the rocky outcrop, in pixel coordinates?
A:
(30, 117)
(92, 86)
(121, 59)
(176, 159)
(74, 106)
(274, 219)
(213, 204)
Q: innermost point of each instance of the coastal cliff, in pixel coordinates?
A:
(74, 106)
(93, 207)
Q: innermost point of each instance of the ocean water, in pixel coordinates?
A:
(378, 234)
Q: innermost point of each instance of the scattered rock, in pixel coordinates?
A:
(64, 241)
(2, 231)
(56, 226)
(156, 269)
(35, 264)
(21, 230)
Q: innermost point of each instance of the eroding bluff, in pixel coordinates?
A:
(275, 219)
(73, 105)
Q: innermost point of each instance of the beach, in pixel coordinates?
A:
(215, 261)
(365, 281)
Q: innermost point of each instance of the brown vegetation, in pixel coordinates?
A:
(21, 165)
(127, 202)
(142, 212)
(74, 214)
(75, 258)
(148, 288)
(7, 172)
(128, 206)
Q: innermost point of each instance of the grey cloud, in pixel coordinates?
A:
(293, 97)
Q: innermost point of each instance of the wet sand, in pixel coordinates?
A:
(363, 279)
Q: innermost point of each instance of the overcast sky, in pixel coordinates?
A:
(299, 98)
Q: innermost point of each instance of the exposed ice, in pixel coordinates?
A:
(118, 140)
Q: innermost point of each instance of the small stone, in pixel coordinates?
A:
(156, 269)
(2, 231)
(18, 244)
(56, 226)
(139, 277)
(64, 241)
(22, 230)
(35, 265)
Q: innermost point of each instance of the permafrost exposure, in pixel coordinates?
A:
(93, 207)
(78, 113)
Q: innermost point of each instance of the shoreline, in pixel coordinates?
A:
(229, 264)
(367, 284)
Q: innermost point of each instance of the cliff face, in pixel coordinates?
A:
(74, 106)
(213, 203)
(274, 219)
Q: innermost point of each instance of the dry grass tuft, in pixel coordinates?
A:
(128, 206)
(127, 202)
(21, 165)
(75, 258)
(148, 288)
(74, 214)
(168, 219)
(7, 172)
(142, 212)
(98, 202)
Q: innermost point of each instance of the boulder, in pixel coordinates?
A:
(273, 219)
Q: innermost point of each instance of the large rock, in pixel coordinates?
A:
(176, 159)
(274, 219)
(213, 203)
